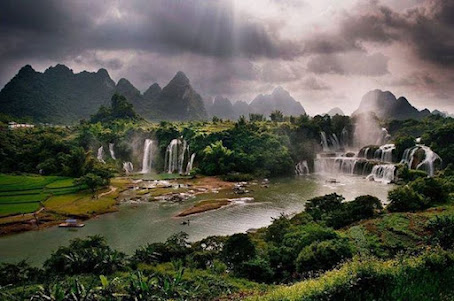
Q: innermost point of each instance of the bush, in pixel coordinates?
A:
(276, 231)
(19, 273)
(257, 269)
(442, 229)
(319, 206)
(237, 249)
(322, 256)
(91, 255)
(404, 198)
(433, 188)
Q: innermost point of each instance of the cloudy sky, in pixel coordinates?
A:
(326, 53)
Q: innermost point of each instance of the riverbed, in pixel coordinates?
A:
(135, 225)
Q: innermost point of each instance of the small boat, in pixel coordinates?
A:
(71, 223)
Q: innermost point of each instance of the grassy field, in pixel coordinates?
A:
(21, 194)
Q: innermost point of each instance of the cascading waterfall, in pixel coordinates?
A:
(147, 156)
(385, 153)
(176, 154)
(382, 173)
(427, 164)
(324, 142)
(112, 151)
(128, 167)
(345, 138)
(100, 155)
(302, 168)
(190, 164)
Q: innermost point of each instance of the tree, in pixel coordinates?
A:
(217, 159)
(92, 181)
(404, 198)
(319, 206)
(237, 249)
(277, 116)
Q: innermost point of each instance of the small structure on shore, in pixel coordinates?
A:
(71, 223)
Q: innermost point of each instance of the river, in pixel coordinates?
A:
(135, 225)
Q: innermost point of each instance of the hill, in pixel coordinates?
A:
(385, 105)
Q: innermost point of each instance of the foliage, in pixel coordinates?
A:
(442, 228)
(237, 249)
(120, 109)
(324, 255)
(404, 198)
(19, 273)
(91, 255)
(217, 159)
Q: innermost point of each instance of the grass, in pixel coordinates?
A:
(425, 277)
(81, 204)
(23, 193)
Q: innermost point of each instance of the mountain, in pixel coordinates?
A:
(335, 111)
(279, 99)
(222, 108)
(385, 105)
(57, 95)
(179, 101)
(61, 96)
(241, 108)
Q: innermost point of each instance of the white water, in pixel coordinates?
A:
(111, 150)
(385, 153)
(382, 173)
(302, 168)
(176, 154)
(147, 156)
(100, 155)
(190, 164)
(427, 164)
(331, 143)
(128, 167)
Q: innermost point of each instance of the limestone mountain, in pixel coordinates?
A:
(335, 111)
(179, 101)
(279, 99)
(61, 96)
(222, 108)
(58, 95)
(385, 105)
(241, 108)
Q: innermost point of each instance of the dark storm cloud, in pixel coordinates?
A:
(428, 29)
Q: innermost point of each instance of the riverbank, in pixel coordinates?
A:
(204, 206)
(80, 205)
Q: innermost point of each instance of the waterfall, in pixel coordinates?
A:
(100, 155)
(427, 164)
(176, 154)
(302, 168)
(147, 156)
(335, 142)
(111, 150)
(385, 153)
(336, 164)
(190, 163)
(382, 173)
(324, 142)
(128, 167)
(344, 138)
(383, 137)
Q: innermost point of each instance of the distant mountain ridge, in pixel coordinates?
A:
(58, 95)
(385, 105)
(279, 99)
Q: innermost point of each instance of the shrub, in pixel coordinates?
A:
(276, 231)
(237, 249)
(319, 206)
(432, 188)
(404, 198)
(257, 269)
(19, 273)
(442, 231)
(91, 255)
(322, 256)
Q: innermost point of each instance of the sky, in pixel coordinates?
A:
(326, 53)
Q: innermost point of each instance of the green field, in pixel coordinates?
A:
(21, 194)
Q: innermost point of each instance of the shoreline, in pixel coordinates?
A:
(48, 216)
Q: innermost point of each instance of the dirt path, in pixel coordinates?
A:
(112, 189)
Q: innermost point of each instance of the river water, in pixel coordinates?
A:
(135, 225)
